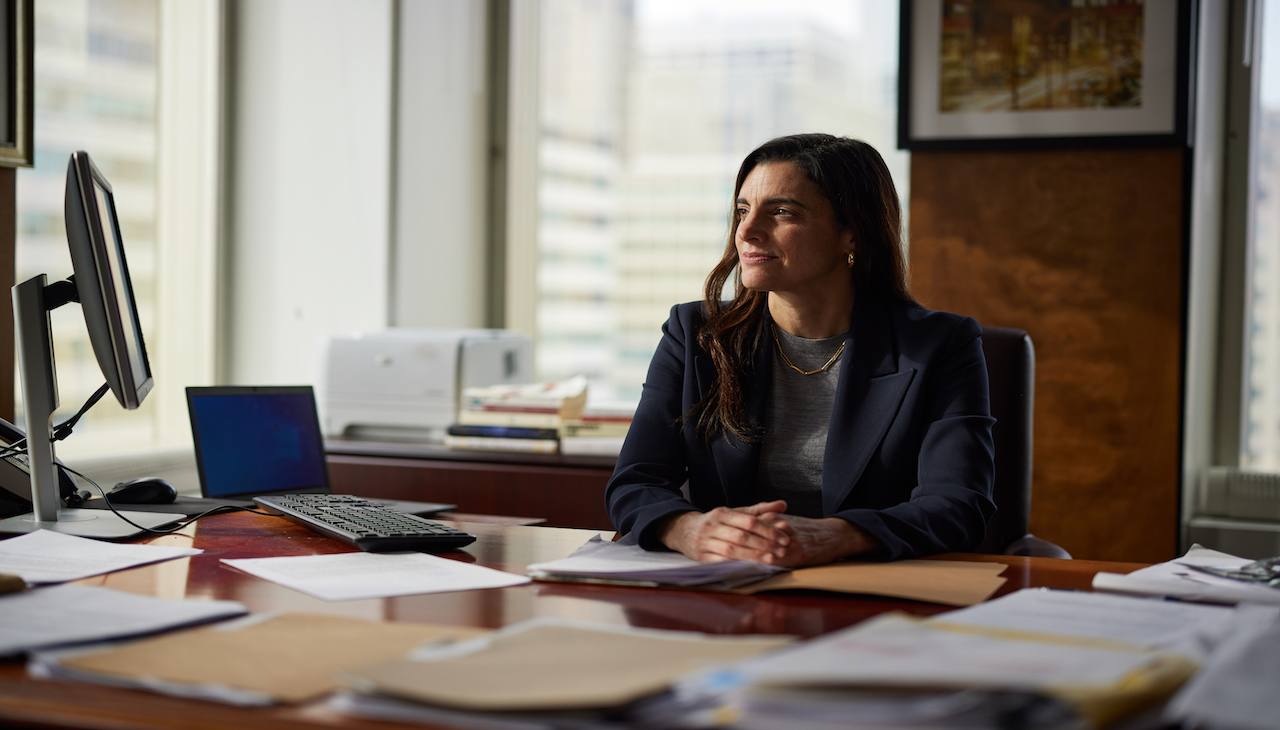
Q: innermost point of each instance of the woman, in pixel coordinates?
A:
(822, 412)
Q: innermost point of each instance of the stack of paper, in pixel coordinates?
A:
(1103, 656)
(1179, 579)
(1103, 680)
(260, 660)
(602, 561)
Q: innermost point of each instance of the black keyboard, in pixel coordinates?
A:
(368, 525)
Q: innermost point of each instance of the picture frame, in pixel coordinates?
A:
(1043, 74)
(17, 83)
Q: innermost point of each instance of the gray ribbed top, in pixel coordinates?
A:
(797, 416)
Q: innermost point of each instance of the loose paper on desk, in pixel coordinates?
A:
(45, 556)
(258, 660)
(1177, 580)
(601, 560)
(349, 576)
(1190, 629)
(550, 664)
(71, 614)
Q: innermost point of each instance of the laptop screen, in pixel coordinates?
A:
(257, 440)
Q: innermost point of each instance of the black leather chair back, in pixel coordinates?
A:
(1011, 369)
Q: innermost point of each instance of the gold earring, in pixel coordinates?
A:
(850, 259)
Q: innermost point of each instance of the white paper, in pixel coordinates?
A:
(59, 615)
(1190, 629)
(628, 561)
(1237, 688)
(348, 576)
(891, 650)
(45, 556)
(1176, 580)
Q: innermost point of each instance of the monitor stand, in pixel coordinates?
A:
(31, 309)
(99, 524)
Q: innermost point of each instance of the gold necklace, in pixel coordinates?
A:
(792, 365)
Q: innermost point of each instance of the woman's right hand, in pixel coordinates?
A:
(724, 533)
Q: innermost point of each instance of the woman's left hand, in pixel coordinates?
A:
(821, 541)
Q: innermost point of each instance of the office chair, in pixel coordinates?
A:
(1011, 370)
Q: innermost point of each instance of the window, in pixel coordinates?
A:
(1260, 440)
(109, 81)
(646, 110)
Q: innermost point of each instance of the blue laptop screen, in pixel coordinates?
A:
(256, 443)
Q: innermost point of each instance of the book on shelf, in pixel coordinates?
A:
(566, 398)
(487, 443)
(510, 419)
(591, 445)
(509, 432)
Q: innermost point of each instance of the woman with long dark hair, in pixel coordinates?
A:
(821, 412)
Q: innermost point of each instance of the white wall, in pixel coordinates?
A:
(439, 250)
(310, 182)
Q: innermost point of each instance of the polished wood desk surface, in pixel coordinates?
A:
(29, 702)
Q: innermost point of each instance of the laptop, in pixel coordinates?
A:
(257, 440)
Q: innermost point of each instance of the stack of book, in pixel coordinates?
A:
(528, 418)
(600, 431)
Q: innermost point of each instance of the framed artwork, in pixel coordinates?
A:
(17, 108)
(990, 74)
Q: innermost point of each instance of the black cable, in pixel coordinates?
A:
(63, 430)
(220, 509)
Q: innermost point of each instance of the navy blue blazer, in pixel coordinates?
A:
(909, 453)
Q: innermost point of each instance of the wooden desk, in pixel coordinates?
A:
(28, 702)
(566, 490)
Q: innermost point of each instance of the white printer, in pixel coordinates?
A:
(404, 384)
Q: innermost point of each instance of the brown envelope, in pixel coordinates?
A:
(552, 667)
(292, 657)
(950, 582)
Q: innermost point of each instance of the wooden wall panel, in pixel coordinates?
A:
(1083, 249)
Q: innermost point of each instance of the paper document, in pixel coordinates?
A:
(951, 582)
(71, 614)
(1190, 629)
(45, 556)
(548, 664)
(626, 561)
(896, 650)
(348, 576)
(1177, 580)
(1237, 688)
(1103, 680)
(255, 661)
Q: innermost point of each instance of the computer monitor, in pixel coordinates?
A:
(102, 280)
(102, 285)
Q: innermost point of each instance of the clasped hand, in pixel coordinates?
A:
(763, 533)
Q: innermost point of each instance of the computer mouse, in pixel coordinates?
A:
(148, 490)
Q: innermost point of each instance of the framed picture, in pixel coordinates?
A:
(987, 74)
(17, 108)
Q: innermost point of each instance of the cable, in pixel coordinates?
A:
(63, 430)
(221, 509)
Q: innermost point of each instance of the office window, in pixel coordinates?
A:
(647, 108)
(95, 90)
(135, 83)
(1260, 442)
